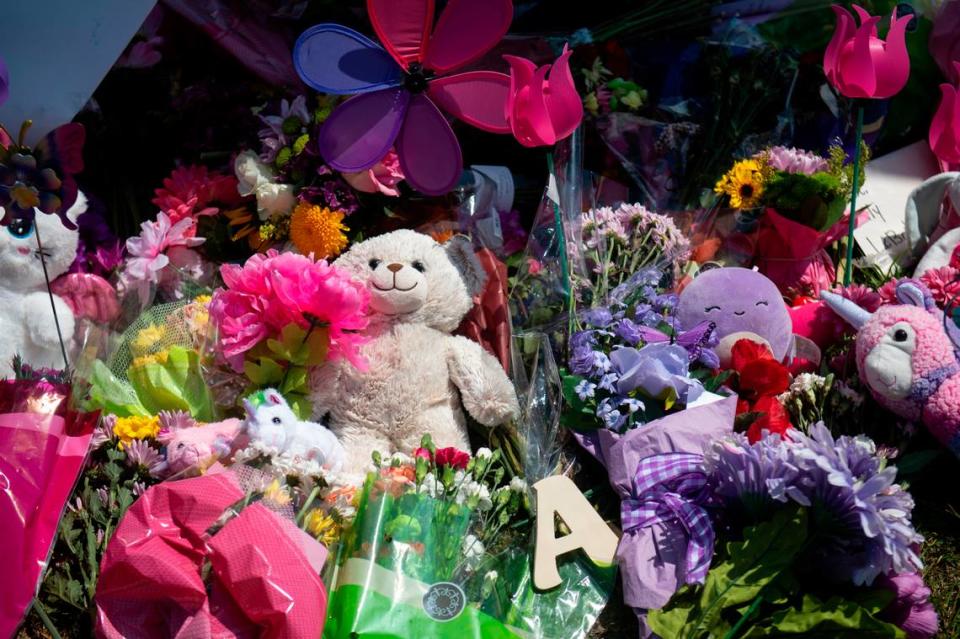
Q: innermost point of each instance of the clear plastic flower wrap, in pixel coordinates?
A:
(441, 545)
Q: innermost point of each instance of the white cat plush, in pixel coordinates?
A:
(27, 324)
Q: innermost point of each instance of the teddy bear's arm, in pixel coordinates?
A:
(324, 388)
(41, 328)
(486, 391)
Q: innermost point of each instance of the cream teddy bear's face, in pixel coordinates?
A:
(413, 279)
(20, 266)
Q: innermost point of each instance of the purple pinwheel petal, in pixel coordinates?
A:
(361, 130)
(429, 152)
(334, 59)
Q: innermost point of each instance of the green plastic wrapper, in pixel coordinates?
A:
(402, 571)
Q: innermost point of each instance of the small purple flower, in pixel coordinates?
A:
(656, 369)
(628, 331)
(609, 413)
(608, 382)
(599, 317)
(585, 390)
(632, 404)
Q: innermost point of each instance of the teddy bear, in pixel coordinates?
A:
(419, 377)
(28, 322)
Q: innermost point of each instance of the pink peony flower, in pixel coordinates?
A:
(382, 177)
(271, 291)
(190, 189)
(791, 160)
(911, 610)
(943, 282)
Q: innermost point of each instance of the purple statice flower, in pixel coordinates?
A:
(514, 235)
(848, 478)
(585, 389)
(581, 360)
(655, 369)
(283, 128)
(791, 160)
(911, 609)
(338, 195)
(141, 454)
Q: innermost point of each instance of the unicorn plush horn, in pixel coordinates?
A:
(847, 309)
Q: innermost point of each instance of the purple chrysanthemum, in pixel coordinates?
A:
(140, 453)
(791, 160)
(864, 525)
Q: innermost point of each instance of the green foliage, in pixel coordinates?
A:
(815, 200)
(753, 591)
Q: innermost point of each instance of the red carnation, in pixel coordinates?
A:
(452, 457)
(775, 419)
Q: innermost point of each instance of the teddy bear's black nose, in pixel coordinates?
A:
(393, 268)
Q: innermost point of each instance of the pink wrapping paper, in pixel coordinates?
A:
(42, 449)
(263, 581)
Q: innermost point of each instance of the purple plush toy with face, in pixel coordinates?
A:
(743, 304)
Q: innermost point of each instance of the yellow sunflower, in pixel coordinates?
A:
(318, 230)
(744, 183)
(322, 526)
(127, 429)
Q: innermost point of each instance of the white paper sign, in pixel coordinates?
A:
(57, 52)
(890, 180)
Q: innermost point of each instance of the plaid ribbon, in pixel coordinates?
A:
(671, 488)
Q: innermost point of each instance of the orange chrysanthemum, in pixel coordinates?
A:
(318, 230)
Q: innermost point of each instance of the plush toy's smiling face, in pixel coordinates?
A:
(738, 301)
(413, 279)
(20, 266)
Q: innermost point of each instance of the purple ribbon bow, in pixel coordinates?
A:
(671, 488)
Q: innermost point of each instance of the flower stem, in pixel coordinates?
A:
(45, 618)
(858, 140)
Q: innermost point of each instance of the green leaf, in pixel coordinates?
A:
(831, 619)
(767, 550)
(580, 416)
(295, 382)
(266, 373)
(112, 395)
(912, 463)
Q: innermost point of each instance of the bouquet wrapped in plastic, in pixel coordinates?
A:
(43, 444)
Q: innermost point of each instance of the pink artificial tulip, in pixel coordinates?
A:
(542, 108)
(945, 127)
(861, 65)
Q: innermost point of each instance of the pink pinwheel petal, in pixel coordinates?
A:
(334, 59)
(361, 130)
(428, 150)
(403, 27)
(841, 34)
(857, 62)
(530, 119)
(465, 31)
(563, 102)
(476, 97)
(893, 64)
(521, 72)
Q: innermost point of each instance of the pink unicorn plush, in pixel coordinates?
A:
(191, 447)
(908, 357)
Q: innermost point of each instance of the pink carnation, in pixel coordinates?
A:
(382, 177)
(271, 291)
(189, 190)
(943, 282)
(911, 609)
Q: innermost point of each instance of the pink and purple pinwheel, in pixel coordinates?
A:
(399, 88)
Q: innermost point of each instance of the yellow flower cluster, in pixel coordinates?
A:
(744, 183)
(148, 339)
(318, 230)
(127, 429)
(277, 493)
(322, 526)
(154, 358)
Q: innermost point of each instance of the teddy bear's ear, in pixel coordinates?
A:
(460, 251)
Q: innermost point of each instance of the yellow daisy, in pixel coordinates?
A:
(322, 526)
(127, 429)
(318, 230)
(744, 183)
(277, 493)
(148, 338)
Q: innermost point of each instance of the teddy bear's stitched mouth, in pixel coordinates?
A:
(394, 288)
